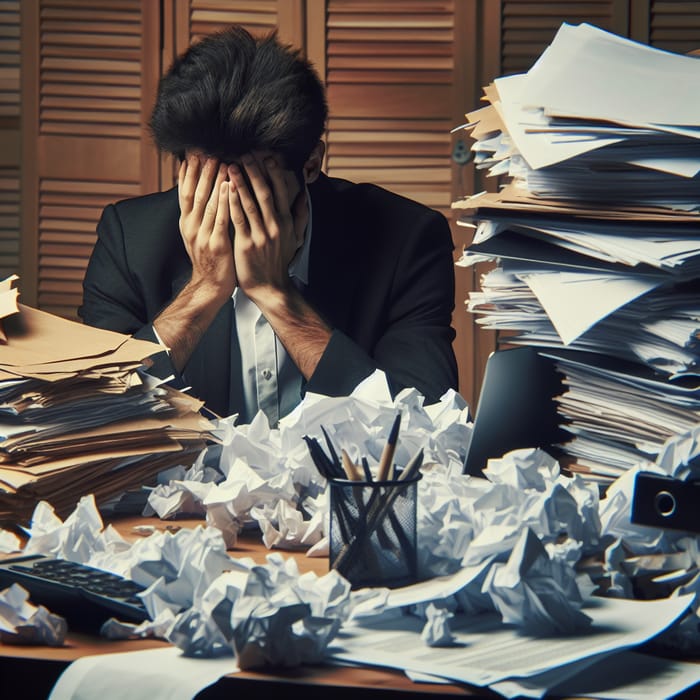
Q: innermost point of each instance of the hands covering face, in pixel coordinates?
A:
(269, 214)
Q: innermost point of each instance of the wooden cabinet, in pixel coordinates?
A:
(400, 75)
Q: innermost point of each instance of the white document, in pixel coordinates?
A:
(589, 73)
(575, 301)
(436, 588)
(153, 674)
(538, 148)
(486, 651)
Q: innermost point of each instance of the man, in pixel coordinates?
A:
(262, 276)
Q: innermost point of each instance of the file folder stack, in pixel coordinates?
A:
(78, 415)
(596, 234)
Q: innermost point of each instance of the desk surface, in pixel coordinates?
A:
(30, 672)
(35, 669)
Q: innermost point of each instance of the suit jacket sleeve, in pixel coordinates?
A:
(414, 344)
(112, 296)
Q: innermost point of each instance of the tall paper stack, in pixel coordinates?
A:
(79, 415)
(596, 235)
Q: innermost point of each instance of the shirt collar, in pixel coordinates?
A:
(299, 267)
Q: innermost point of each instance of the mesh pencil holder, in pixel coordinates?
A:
(373, 531)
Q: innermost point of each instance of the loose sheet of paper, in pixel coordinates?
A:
(575, 301)
(153, 674)
(486, 651)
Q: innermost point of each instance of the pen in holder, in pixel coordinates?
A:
(373, 530)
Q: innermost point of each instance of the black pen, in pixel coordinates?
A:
(366, 469)
(334, 455)
(318, 457)
(387, 458)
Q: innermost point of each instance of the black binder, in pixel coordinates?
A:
(662, 501)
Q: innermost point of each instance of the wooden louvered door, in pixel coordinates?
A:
(92, 70)
(9, 138)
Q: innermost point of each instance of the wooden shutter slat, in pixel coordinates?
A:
(400, 63)
(99, 91)
(75, 40)
(423, 35)
(90, 66)
(388, 100)
(54, 79)
(387, 77)
(396, 49)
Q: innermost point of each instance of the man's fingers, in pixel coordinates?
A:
(205, 185)
(278, 182)
(251, 196)
(181, 174)
(219, 237)
(238, 217)
(188, 177)
(280, 212)
(212, 207)
(245, 213)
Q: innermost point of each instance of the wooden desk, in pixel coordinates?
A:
(30, 672)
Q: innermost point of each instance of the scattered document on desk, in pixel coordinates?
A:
(153, 674)
(486, 652)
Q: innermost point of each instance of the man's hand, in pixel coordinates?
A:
(269, 220)
(203, 193)
(269, 227)
(204, 219)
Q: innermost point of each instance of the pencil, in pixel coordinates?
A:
(387, 458)
(349, 467)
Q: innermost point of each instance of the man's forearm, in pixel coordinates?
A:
(181, 325)
(304, 334)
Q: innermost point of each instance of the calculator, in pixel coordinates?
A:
(85, 596)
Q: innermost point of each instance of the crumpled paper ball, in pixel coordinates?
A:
(24, 623)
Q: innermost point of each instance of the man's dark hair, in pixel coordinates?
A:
(231, 93)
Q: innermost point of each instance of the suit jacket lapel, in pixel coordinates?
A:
(331, 286)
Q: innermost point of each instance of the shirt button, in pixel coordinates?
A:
(266, 374)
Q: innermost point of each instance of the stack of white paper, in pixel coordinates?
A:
(596, 232)
(616, 315)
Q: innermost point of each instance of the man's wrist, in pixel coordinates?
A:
(298, 325)
(201, 295)
(182, 324)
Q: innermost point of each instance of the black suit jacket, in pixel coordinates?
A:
(381, 273)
